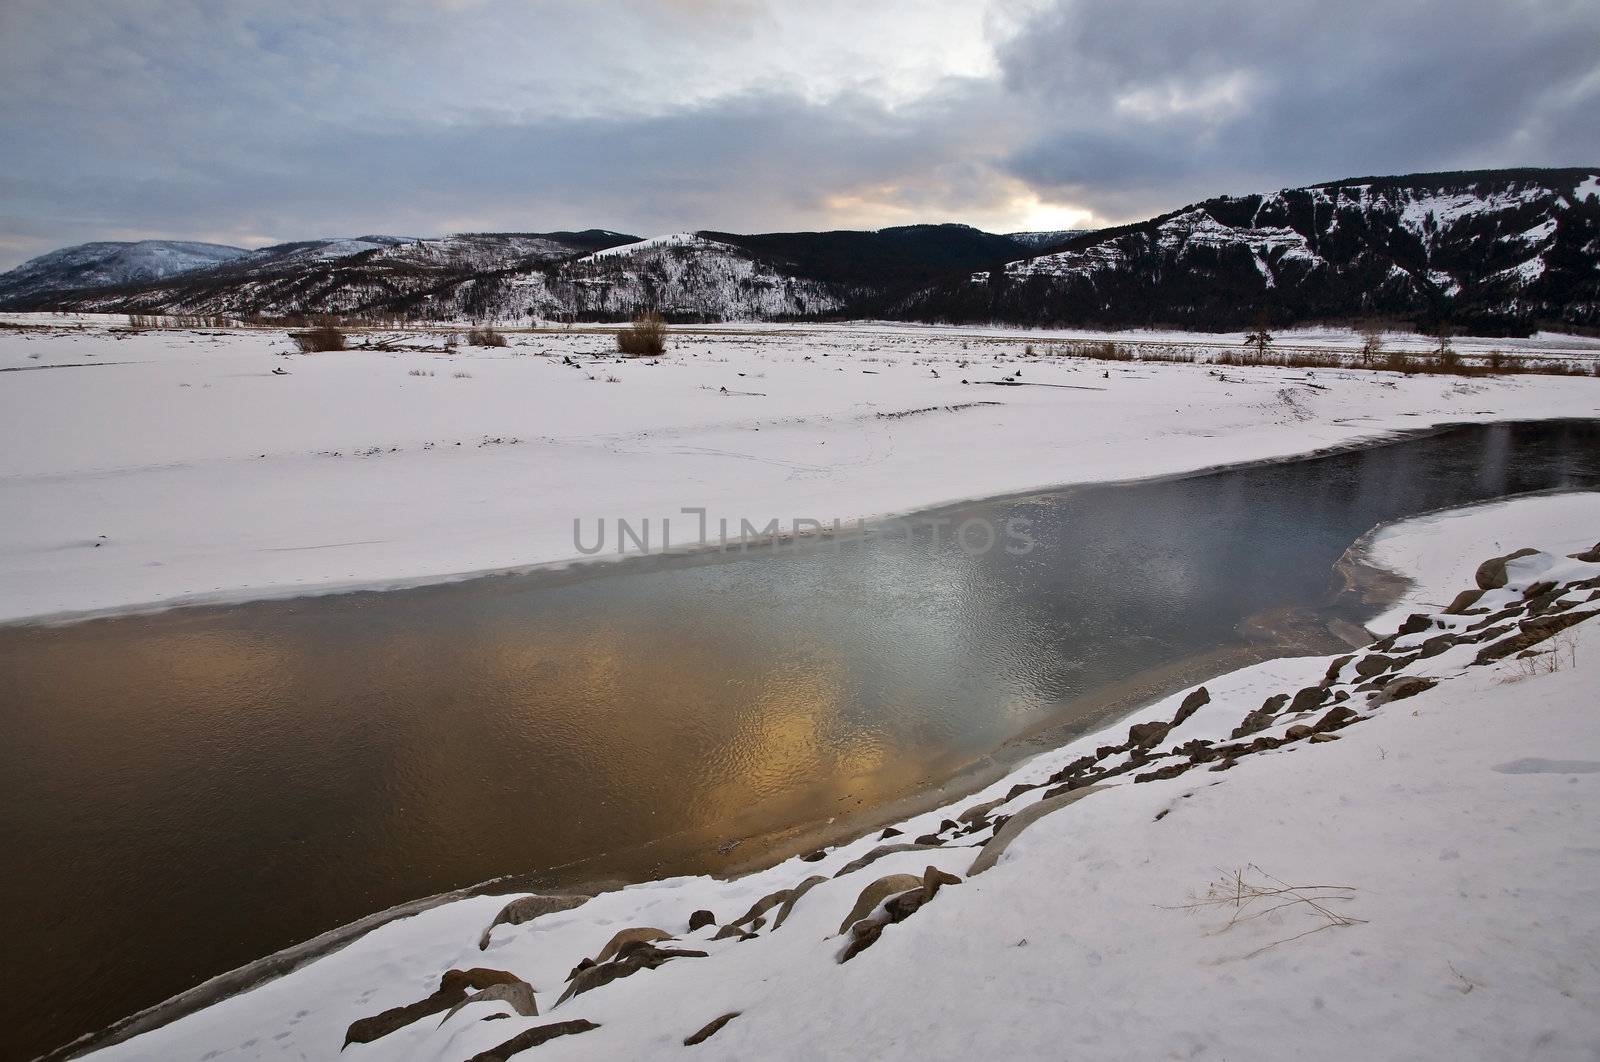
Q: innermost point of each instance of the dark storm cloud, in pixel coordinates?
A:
(251, 123)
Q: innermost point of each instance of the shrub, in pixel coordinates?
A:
(645, 338)
(485, 337)
(1396, 361)
(319, 339)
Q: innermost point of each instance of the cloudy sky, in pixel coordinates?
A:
(253, 123)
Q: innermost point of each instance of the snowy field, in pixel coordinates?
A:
(1413, 875)
(157, 467)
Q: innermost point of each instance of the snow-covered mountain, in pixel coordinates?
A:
(367, 275)
(109, 264)
(1484, 250)
(686, 276)
(1496, 248)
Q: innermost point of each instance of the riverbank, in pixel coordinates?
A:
(1425, 802)
(164, 467)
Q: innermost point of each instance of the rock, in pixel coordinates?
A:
(1491, 574)
(1373, 664)
(1332, 674)
(1463, 601)
(1405, 686)
(1197, 699)
(631, 958)
(519, 995)
(881, 851)
(709, 1029)
(1262, 717)
(1589, 556)
(732, 930)
(1536, 589)
(1144, 735)
(817, 856)
(1297, 732)
(1532, 632)
(453, 988)
(1172, 770)
(532, 1038)
(762, 906)
(526, 909)
(1005, 834)
(1436, 645)
(1338, 716)
(864, 932)
(1324, 737)
(701, 918)
(978, 811)
(874, 894)
(906, 904)
(1490, 620)
(928, 840)
(624, 937)
(1416, 623)
(863, 935)
(1308, 698)
(888, 832)
(1018, 789)
(794, 898)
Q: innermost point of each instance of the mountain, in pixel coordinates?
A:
(368, 275)
(99, 265)
(1490, 250)
(1487, 251)
(685, 276)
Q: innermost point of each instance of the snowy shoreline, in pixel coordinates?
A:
(184, 472)
(777, 974)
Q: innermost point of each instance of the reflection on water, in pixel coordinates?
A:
(182, 793)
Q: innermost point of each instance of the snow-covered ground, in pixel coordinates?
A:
(1390, 869)
(166, 466)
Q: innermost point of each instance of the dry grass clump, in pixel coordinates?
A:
(319, 339)
(645, 338)
(1250, 893)
(485, 337)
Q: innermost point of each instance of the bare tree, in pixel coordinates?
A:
(1261, 339)
(1371, 343)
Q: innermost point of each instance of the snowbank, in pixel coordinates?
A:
(1396, 863)
(1439, 553)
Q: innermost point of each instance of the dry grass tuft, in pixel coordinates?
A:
(318, 340)
(645, 338)
(1252, 893)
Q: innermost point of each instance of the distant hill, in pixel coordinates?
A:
(367, 275)
(102, 265)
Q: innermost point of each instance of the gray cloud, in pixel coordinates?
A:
(245, 123)
(1145, 105)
